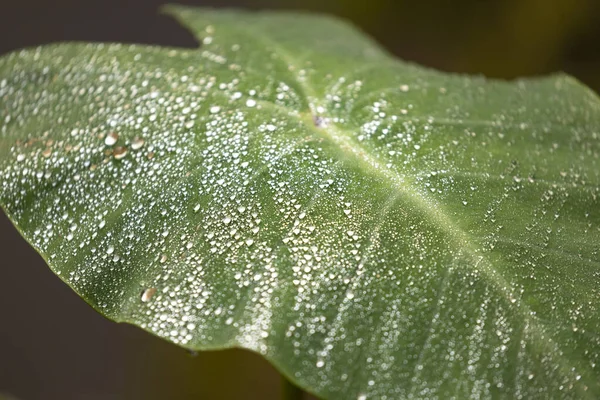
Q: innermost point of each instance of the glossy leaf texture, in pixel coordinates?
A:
(375, 229)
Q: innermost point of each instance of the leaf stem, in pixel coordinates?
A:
(289, 391)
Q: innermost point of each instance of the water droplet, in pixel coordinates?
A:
(251, 103)
(215, 109)
(320, 363)
(137, 143)
(119, 152)
(111, 138)
(147, 294)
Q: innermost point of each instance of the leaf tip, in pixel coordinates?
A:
(182, 14)
(171, 9)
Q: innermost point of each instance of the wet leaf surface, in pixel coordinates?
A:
(375, 229)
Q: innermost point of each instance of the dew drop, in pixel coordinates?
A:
(119, 152)
(111, 138)
(137, 143)
(147, 294)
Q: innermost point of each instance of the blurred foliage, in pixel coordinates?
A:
(499, 38)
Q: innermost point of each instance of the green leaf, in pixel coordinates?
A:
(373, 228)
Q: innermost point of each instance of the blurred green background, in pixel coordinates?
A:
(499, 38)
(502, 38)
(53, 346)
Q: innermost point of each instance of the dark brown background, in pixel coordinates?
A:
(53, 346)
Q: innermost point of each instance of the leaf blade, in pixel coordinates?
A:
(335, 219)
